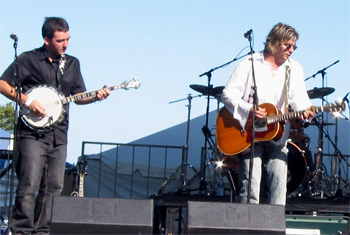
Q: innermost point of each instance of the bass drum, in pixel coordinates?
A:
(297, 167)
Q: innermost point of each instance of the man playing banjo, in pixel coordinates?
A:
(42, 152)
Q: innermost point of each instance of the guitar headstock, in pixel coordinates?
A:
(134, 83)
(82, 165)
(334, 107)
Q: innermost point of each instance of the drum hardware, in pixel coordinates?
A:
(323, 184)
(335, 177)
(218, 160)
(182, 169)
(208, 90)
(184, 163)
(323, 124)
(316, 187)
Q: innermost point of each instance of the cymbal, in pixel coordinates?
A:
(204, 89)
(320, 92)
(218, 90)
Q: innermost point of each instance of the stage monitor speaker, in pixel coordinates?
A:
(82, 215)
(234, 218)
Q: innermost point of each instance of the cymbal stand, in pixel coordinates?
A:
(206, 132)
(335, 189)
(319, 156)
(184, 161)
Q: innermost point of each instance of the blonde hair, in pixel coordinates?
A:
(279, 34)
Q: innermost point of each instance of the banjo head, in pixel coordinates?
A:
(51, 99)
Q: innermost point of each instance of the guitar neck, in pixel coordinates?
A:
(283, 117)
(81, 185)
(336, 107)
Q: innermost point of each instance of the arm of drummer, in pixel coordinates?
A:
(102, 94)
(33, 105)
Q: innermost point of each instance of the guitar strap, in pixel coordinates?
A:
(287, 81)
(60, 70)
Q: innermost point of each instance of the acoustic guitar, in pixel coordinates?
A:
(232, 139)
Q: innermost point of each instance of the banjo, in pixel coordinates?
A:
(54, 102)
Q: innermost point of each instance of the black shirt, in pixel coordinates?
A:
(34, 68)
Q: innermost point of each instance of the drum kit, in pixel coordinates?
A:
(306, 175)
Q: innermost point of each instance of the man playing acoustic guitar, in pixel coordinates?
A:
(41, 159)
(274, 71)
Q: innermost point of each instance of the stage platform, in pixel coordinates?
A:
(180, 213)
(294, 205)
(306, 216)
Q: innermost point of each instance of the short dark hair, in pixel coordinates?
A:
(53, 24)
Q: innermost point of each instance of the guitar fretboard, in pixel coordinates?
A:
(335, 107)
(81, 186)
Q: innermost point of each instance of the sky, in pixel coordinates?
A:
(167, 45)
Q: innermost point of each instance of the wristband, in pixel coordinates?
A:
(29, 101)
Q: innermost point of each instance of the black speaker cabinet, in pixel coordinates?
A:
(235, 218)
(82, 215)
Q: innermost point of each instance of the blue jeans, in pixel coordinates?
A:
(275, 158)
(40, 171)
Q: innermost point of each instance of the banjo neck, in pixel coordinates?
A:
(134, 83)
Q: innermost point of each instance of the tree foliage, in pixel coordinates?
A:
(7, 116)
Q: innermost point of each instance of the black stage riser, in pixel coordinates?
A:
(81, 215)
(234, 218)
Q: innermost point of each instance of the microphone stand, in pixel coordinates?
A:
(205, 128)
(255, 107)
(17, 100)
(322, 71)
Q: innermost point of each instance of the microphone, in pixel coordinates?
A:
(248, 33)
(14, 36)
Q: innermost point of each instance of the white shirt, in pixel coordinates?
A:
(237, 94)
